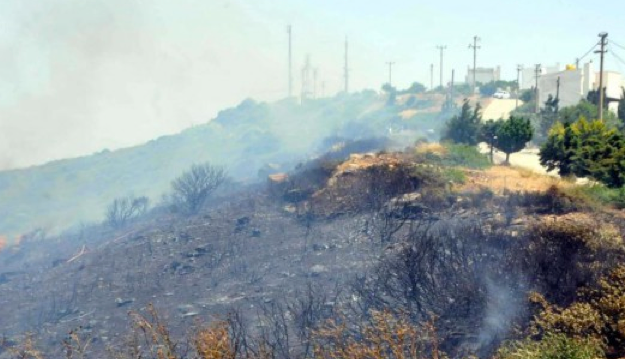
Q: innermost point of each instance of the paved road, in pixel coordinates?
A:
(495, 109)
(527, 158)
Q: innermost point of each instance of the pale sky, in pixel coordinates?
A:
(78, 76)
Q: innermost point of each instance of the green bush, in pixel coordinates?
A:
(599, 194)
(454, 175)
(451, 155)
(466, 156)
(556, 346)
(598, 314)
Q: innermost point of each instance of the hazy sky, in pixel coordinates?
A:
(77, 76)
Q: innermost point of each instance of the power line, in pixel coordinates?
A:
(617, 57)
(615, 43)
(577, 60)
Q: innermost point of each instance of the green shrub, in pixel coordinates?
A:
(599, 194)
(454, 175)
(598, 314)
(456, 155)
(466, 156)
(557, 346)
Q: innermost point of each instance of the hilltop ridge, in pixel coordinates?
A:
(243, 139)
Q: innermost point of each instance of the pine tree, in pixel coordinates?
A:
(464, 128)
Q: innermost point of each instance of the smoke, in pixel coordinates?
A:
(504, 304)
(79, 76)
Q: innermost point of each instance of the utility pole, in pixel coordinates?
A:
(314, 83)
(603, 36)
(557, 94)
(441, 48)
(346, 69)
(536, 99)
(306, 85)
(431, 76)
(475, 47)
(518, 84)
(451, 89)
(390, 72)
(288, 30)
(577, 63)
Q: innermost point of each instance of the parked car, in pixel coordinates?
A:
(501, 94)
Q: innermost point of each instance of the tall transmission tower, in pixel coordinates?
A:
(441, 48)
(602, 51)
(346, 68)
(288, 30)
(475, 47)
(390, 72)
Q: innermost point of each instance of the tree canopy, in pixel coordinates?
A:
(465, 127)
(512, 135)
(586, 149)
(416, 87)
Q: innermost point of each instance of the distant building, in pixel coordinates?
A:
(575, 83)
(483, 75)
(613, 82)
(528, 74)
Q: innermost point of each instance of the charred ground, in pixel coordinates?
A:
(423, 234)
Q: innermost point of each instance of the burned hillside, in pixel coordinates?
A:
(416, 234)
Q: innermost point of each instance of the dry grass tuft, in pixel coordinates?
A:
(431, 147)
(213, 342)
(386, 337)
(511, 179)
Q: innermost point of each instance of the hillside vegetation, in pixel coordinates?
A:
(243, 139)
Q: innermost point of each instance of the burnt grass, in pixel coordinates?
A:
(253, 256)
(243, 254)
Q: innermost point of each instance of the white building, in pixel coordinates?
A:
(576, 83)
(483, 75)
(613, 83)
(528, 74)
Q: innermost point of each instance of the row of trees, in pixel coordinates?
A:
(189, 193)
(508, 136)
